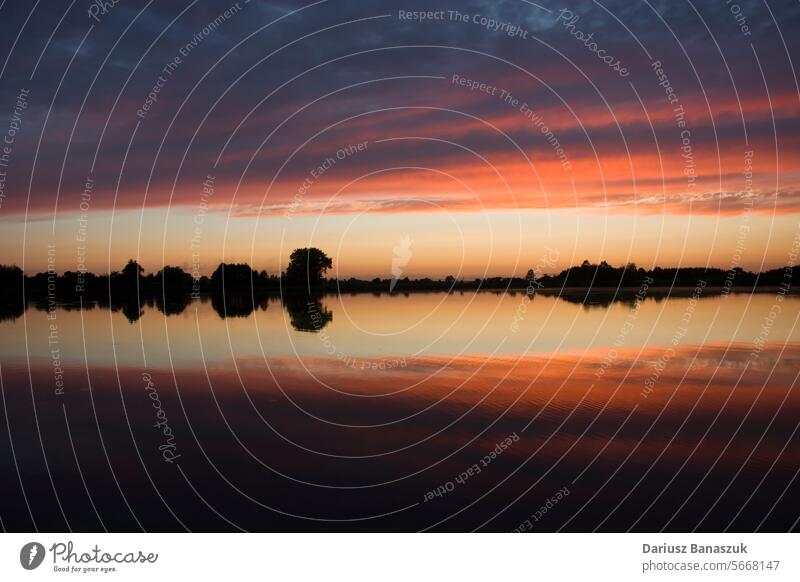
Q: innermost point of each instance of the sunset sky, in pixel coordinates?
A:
(207, 135)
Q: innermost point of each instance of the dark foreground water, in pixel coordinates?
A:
(430, 411)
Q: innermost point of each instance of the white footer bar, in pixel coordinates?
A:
(401, 557)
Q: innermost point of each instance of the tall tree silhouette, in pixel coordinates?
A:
(173, 280)
(132, 270)
(129, 280)
(307, 313)
(307, 266)
(233, 276)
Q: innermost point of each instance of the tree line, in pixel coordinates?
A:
(305, 274)
(306, 268)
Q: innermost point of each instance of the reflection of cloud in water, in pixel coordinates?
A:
(572, 427)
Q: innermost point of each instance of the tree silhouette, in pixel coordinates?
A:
(132, 270)
(233, 276)
(307, 313)
(174, 280)
(12, 304)
(11, 277)
(131, 309)
(307, 266)
(238, 289)
(129, 280)
(232, 304)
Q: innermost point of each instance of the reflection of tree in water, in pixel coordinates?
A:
(628, 296)
(172, 304)
(131, 309)
(11, 310)
(237, 304)
(306, 312)
(12, 284)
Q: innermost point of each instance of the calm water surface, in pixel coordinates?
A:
(428, 411)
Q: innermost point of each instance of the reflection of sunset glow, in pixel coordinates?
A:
(437, 159)
(497, 243)
(420, 325)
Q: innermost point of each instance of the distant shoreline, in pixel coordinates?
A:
(305, 276)
(739, 289)
(309, 312)
(622, 292)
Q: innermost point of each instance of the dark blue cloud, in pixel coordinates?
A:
(702, 45)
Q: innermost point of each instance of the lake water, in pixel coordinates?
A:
(438, 411)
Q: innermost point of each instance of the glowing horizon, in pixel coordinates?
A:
(483, 155)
